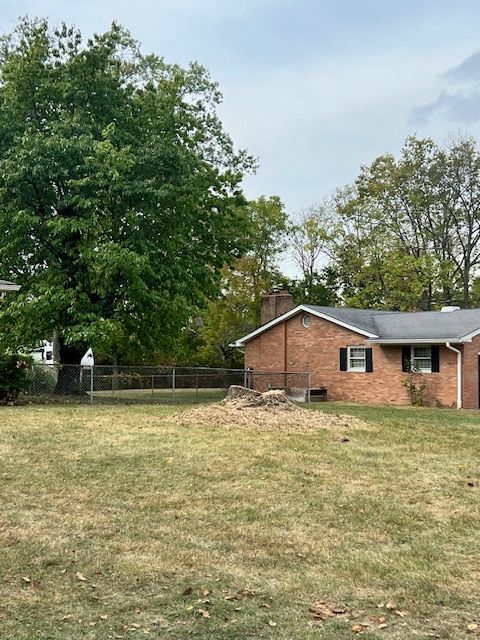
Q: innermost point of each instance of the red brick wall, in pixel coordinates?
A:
(470, 373)
(275, 304)
(292, 347)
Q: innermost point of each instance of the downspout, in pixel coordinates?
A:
(459, 373)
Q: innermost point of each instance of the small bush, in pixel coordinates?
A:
(416, 388)
(41, 380)
(13, 377)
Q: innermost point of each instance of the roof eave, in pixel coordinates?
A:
(395, 341)
(307, 309)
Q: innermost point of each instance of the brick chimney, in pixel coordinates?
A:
(274, 304)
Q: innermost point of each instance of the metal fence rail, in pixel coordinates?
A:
(105, 384)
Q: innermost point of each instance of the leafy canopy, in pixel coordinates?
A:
(120, 193)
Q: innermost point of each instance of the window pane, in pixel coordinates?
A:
(421, 352)
(356, 358)
(422, 363)
(357, 352)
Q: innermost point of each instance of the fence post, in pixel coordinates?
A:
(91, 385)
(309, 386)
(173, 384)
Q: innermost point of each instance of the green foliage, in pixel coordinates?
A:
(13, 377)
(42, 379)
(119, 190)
(236, 311)
(410, 228)
(320, 288)
(416, 386)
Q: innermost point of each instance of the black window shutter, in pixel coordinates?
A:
(435, 358)
(406, 358)
(343, 359)
(368, 360)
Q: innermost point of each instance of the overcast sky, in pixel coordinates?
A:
(314, 88)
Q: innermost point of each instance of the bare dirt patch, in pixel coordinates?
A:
(247, 409)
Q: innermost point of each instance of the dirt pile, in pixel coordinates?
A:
(247, 409)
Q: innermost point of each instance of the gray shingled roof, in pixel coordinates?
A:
(360, 318)
(395, 325)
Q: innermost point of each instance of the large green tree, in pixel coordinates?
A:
(119, 191)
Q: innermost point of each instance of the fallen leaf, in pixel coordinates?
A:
(36, 585)
(402, 614)
(80, 576)
(272, 623)
(383, 625)
(206, 592)
(187, 591)
(357, 628)
(26, 579)
(473, 626)
(322, 611)
(203, 612)
(67, 616)
(104, 617)
(390, 605)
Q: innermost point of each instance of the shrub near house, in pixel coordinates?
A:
(13, 377)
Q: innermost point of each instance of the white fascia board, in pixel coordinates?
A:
(415, 341)
(469, 336)
(294, 311)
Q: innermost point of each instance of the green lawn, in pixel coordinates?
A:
(116, 524)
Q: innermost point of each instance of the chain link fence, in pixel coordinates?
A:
(105, 384)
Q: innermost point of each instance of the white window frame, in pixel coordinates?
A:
(361, 369)
(413, 358)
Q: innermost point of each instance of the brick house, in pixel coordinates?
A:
(365, 355)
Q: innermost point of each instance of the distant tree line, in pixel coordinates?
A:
(404, 236)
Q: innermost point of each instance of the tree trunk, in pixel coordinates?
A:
(69, 379)
(466, 286)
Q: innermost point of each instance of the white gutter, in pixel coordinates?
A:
(459, 373)
(398, 341)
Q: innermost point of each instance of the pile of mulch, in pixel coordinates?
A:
(247, 409)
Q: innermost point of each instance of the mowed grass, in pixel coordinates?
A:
(116, 524)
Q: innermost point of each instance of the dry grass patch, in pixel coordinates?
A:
(119, 522)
